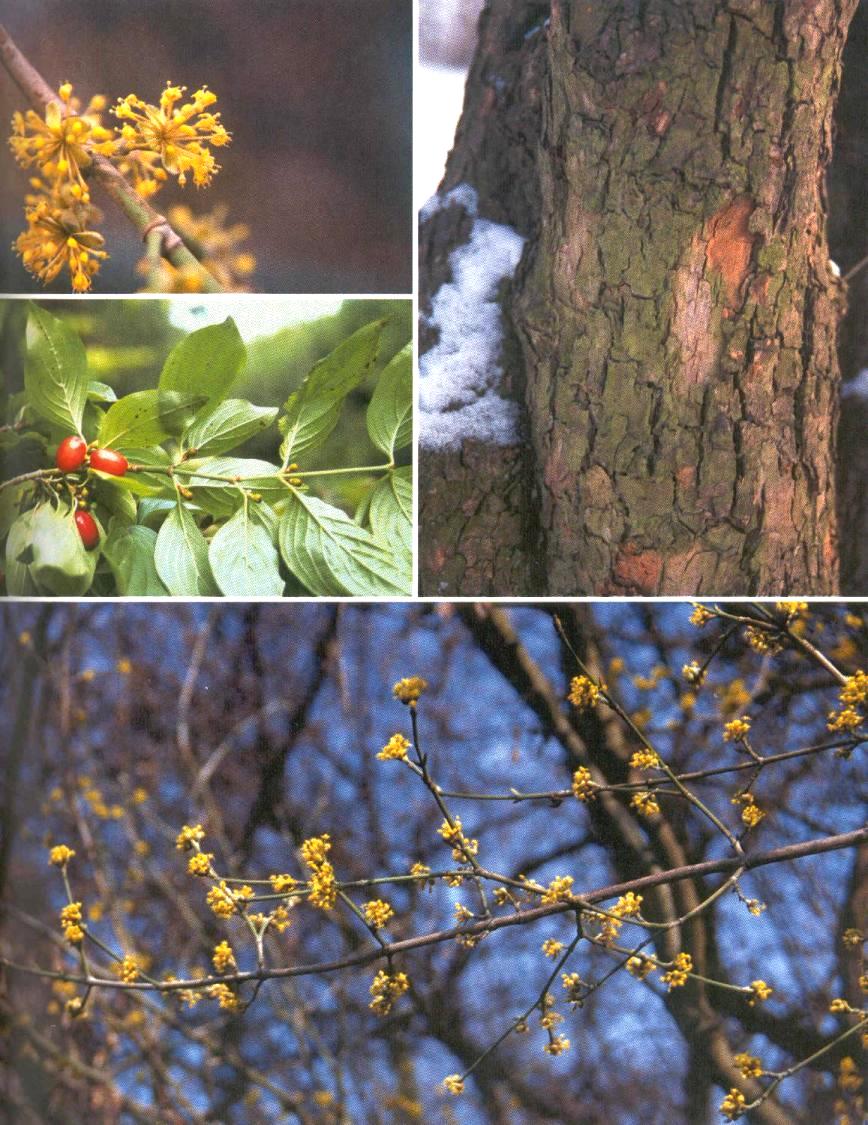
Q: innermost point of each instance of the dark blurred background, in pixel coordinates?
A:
(316, 94)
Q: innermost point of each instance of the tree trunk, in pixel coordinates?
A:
(670, 333)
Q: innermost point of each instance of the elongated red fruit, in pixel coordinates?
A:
(71, 453)
(109, 461)
(87, 529)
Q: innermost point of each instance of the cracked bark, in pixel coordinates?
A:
(672, 325)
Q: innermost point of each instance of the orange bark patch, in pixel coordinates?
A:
(730, 244)
(639, 571)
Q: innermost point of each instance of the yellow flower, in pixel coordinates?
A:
(639, 966)
(200, 863)
(558, 890)
(224, 995)
(124, 666)
(583, 787)
(645, 803)
(552, 948)
(58, 237)
(736, 730)
(693, 674)
(128, 968)
(70, 923)
(385, 989)
(60, 855)
(749, 1065)
(792, 608)
(409, 689)
(733, 1104)
(762, 641)
(700, 616)
(557, 1045)
(761, 992)
(315, 850)
(282, 884)
(223, 958)
(453, 1084)
(645, 760)
(179, 135)
(188, 838)
(378, 913)
(678, 974)
(584, 693)
(225, 902)
(61, 143)
(751, 814)
(395, 749)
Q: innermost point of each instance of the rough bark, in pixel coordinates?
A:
(675, 309)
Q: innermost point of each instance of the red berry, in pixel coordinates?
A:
(71, 453)
(87, 529)
(109, 461)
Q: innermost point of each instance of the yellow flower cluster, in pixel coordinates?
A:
(463, 849)
(70, 923)
(853, 698)
(557, 1045)
(639, 966)
(749, 1065)
(225, 902)
(179, 135)
(395, 749)
(751, 813)
(224, 996)
(282, 884)
(645, 760)
(693, 673)
(763, 641)
(128, 968)
(189, 837)
(645, 803)
(700, 616)
(60, 855)
(677, 976)
(627, 906)
(385, 989)
(558, 890)
(322, 883)
(552, 948)
(732, 1106)
(378, 913)
(761, 992)
(217, 242)
(849, 1078)
(409, 689)
(153, 143)
(736, 730)
(453, 1084)
(584, 693)
(792, 608)
(223, 959)
(200, 863)
(583, 787)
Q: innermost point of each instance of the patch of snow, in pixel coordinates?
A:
(461, 196)
(858, 387)
(460, 375)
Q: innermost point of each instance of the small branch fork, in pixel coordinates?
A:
(147, 221)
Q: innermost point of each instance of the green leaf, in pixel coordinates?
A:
(55, 371)
(244, 560)
(112, 500)
(312, 412)
(181, 556)
(390, 411)
(10, 504)
(61, 565)
(146, 418)
(222, 497)
(390, 511)
(333, 556)
(19, 582)
(100, 392)
(206, 362)
(226, 426)
(130, 554)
